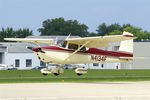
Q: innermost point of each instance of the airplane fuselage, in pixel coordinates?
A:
(59, 55)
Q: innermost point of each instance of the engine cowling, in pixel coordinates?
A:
(80, 71)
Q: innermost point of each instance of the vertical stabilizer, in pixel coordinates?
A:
(127, 45)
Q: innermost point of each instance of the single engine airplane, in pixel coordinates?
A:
(81, 50)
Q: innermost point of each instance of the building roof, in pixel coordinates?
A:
(16, 47)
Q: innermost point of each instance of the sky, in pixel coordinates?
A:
(31, 13)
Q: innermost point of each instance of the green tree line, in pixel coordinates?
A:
(116, 29)
(60, 26)
(11, 33)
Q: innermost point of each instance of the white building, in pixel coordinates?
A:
(16, 55)
(142, 55)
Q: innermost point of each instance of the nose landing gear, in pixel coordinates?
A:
(56, 70)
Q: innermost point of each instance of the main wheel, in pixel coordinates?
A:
(79, 74)
(56, 74)
(44, 74)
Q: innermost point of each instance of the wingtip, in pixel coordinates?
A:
(9, 39)
(6, 39)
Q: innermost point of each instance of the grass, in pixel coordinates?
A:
(28, 76)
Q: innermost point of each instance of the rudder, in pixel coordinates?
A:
(127, 45)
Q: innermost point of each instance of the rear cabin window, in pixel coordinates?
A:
(72, 46)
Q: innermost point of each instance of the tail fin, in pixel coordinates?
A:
(127, 45)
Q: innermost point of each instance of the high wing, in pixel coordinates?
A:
(30, 40)
(100, 41)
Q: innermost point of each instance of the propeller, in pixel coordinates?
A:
(30, 48)
(40, 50)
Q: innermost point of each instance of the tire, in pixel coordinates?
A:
(44, 74)
(79, 74)
(56, 74)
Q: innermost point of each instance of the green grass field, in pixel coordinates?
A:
(27, 76)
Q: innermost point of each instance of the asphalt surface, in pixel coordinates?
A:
(76, 91)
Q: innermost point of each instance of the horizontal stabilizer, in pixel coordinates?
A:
(132, 58)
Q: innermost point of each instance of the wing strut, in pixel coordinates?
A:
(76, 50)
(68, 36)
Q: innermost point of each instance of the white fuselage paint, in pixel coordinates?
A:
(59, 57)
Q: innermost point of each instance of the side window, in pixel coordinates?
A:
(28, 62)
(17, 62)
(95, 64)
(72, 46)
(42, 64)
(102, 65)
(116, 48)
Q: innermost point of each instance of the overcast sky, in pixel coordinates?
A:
(31, 13)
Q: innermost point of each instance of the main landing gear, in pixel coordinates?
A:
(59, 69)
(56, 70)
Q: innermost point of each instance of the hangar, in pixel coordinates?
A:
(141, 49)
(15, 54)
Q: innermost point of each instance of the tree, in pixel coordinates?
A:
(113, 27)
(22, 33)
(116, 29)
(92, 34)
(60, 26)
(11, 33)
(103, 29)
(115, 32)
(125, 25)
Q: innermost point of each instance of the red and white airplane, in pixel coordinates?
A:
(82, 50)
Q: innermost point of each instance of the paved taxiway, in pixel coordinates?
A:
(76, 91)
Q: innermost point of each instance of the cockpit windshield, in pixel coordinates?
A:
(63, 44)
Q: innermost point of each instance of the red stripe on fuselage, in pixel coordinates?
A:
(109, 53)
(92, 51)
